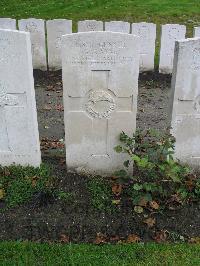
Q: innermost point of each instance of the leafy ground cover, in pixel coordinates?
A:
(92, 209)
(25, 253)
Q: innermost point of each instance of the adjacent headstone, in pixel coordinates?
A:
(100, 86)
(196, 31)
(117, 26)
(36, 28)
(90, 25)
(55, 29)
(147, 34)
(170, 34)
(19, 138)
(186, 101)
(8, 23)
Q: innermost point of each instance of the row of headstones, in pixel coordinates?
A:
(58, 27)
(100, 87)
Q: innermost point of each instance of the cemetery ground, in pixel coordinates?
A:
(59, 207)
(56, 205)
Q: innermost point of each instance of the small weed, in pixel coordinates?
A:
(175, 237)
(156, 175)
(101, 193)
(64, 196)
(19, 184)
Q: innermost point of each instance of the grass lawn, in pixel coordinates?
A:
(157, 11)
(24, 253)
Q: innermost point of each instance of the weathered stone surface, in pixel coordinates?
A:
(186, 101)
(100, 86)
(19, 138)
(8, 23)
(117, 26)
(147, 34)
(196, 31)
(90, 25)
(55, 29)
(170, 34)
(37, 30)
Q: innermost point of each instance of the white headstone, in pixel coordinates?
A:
(170, 34)
(196, 31)
(117, 26)
(36, 28)
(55, 29)
(90, 25)
(147, 34)
(8, 23)
(100, 86)
(186, 101)
(19, 138)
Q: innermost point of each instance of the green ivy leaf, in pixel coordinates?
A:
(121, 173)
(118, 149)
(127, 163)
(137, 187)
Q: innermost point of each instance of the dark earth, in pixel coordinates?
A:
(49, 219)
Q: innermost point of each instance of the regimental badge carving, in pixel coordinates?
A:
(100, 104)
(31, 26)
(6, 99)
(58, 42)
(197, 104)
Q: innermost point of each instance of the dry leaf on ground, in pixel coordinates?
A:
(133, 239)
(100, 239)
(64, 238)
(143, 202)
(47, 107)
(154, 205)
(117, 189)
(194, 240)
(161, 236)
(2, 193)
(150, 222)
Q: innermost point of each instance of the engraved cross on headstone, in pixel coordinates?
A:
(5, 100)
(99, 105)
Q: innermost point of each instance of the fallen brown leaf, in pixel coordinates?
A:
(47, 107)
(190, 185)
(50, 88)
(114, 239)
(47, 143)
(64, 238)
(114, 177)
(161, 236)
(143, 202)
(133, 239)
(6, 172)
(100, 239)
(150, 222)
(154, 205)
(194, 240)
(59, 107)
(2, 193)
(62, 162)
(117, 189)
